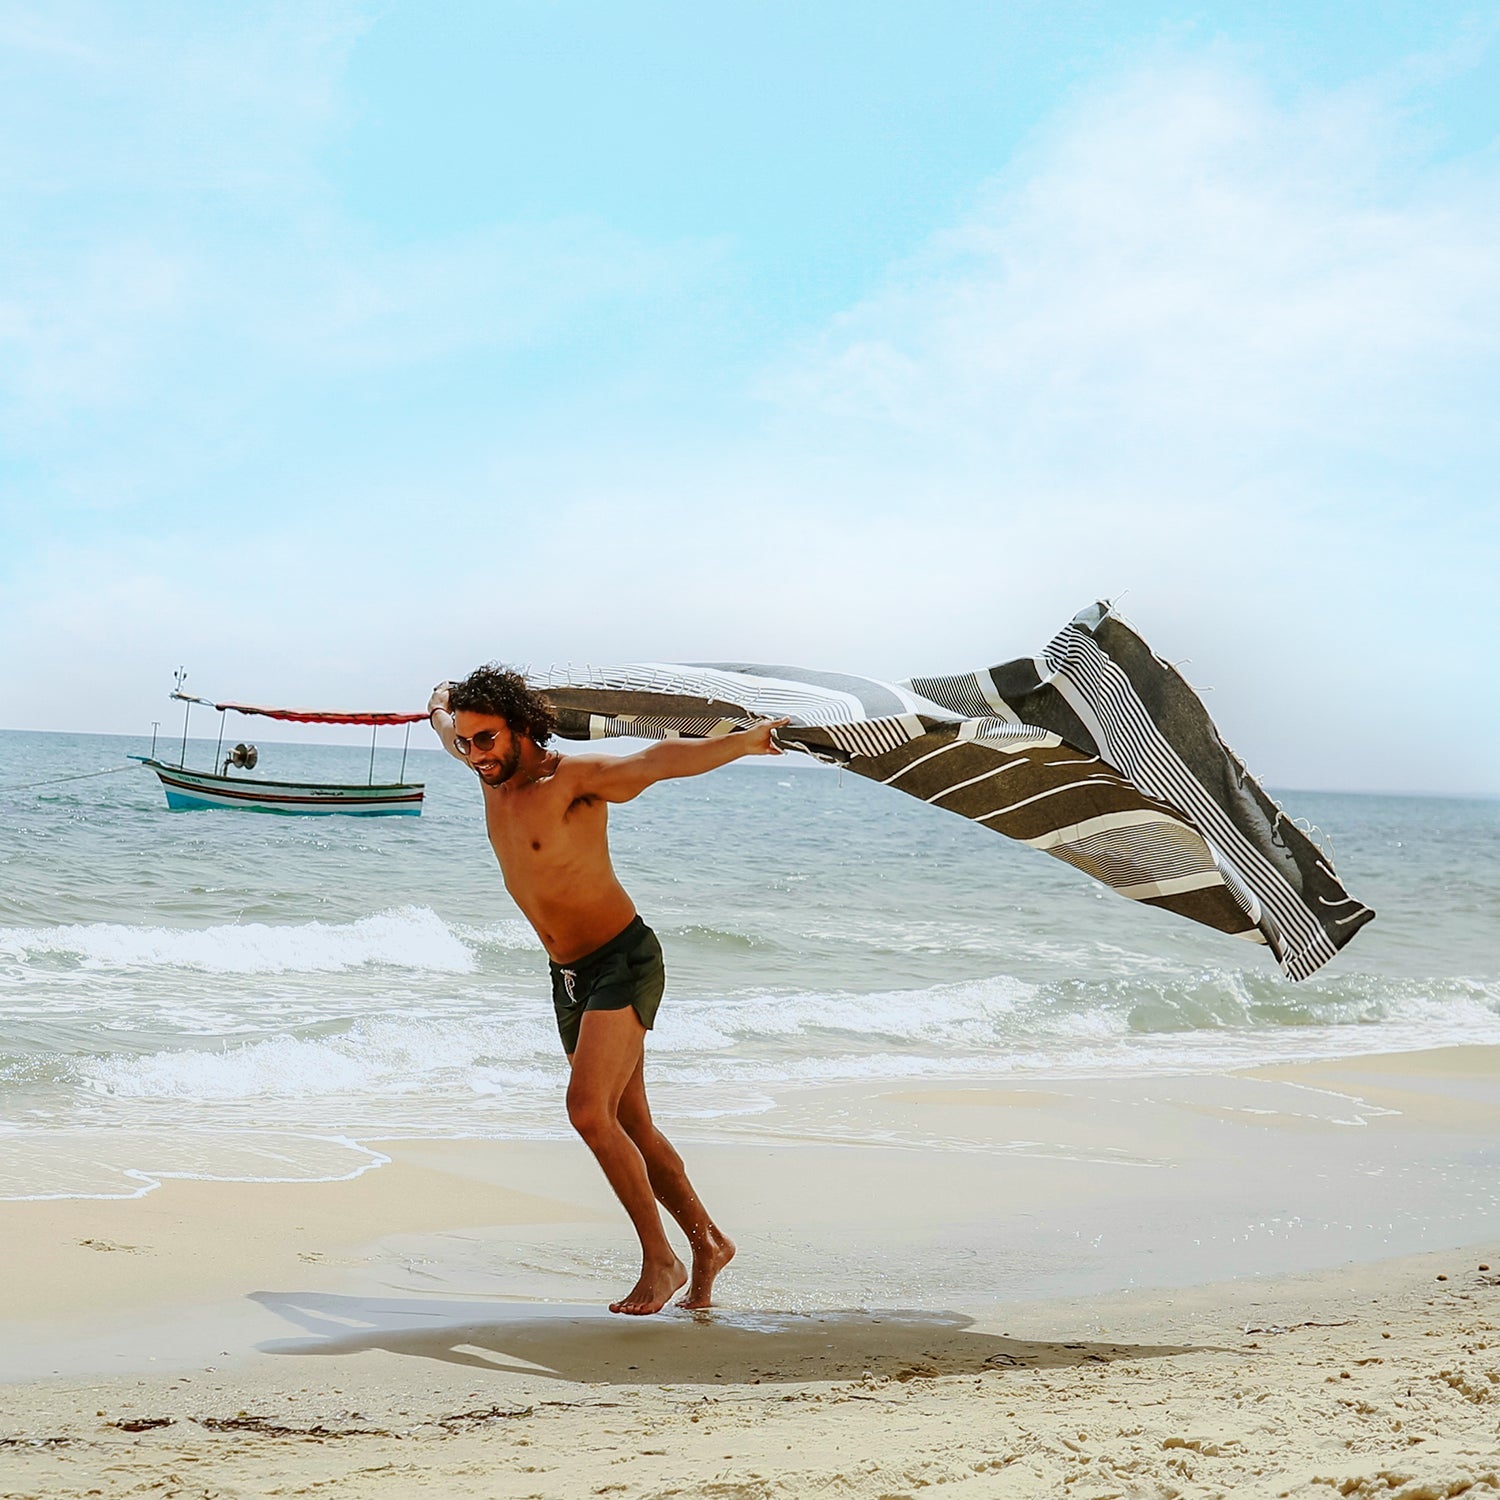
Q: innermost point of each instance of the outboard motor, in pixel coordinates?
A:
(242, 756)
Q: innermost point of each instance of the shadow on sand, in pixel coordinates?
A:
(704, 1348)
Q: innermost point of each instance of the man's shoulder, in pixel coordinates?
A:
(580, 763)
(579, 770)
(596, 760)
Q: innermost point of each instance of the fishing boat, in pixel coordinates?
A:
(190, 788)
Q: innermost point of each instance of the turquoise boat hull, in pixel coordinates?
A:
(194, 790)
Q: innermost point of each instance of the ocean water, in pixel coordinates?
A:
(248, 996)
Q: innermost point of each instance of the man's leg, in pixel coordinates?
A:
(611, 1045)
(712, 1248)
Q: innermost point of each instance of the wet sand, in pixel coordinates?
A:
(1192, 1285)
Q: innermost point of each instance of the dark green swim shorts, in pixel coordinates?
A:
(627, 970)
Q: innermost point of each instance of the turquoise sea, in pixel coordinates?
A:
(230, 994)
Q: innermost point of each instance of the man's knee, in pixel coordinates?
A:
(590, 1115)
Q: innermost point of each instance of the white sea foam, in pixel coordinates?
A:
(957, 1015)
(375, 1058)
(510, 935)
(409, 937)
(996, 1026)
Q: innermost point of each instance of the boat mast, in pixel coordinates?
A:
(374, 730)
(179, 678)
(188, 701)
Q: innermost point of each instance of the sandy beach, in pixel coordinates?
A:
(910, 1311)
(926, 569)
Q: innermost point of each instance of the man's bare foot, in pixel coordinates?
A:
(653, 1291)
(708, 1261)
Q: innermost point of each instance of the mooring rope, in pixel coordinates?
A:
(27, 786)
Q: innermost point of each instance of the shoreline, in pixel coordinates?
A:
(348, 1153)
(976, 1193)
(938, 1282)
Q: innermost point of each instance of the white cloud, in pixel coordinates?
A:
(170, 97)
(1183, 260)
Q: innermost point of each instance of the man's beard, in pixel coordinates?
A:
(501, 771)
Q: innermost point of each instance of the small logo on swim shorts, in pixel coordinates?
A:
(570, 976)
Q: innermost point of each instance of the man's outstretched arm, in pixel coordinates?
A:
(619, 778)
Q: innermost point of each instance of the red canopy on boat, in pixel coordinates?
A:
(321, 715)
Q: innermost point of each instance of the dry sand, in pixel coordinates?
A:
(431, 1327)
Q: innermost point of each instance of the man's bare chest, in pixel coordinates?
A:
(539, 834)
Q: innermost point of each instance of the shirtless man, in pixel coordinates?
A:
(546, 816)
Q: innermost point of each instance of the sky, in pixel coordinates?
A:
(344, 346)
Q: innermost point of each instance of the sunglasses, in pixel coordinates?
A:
(483, 742)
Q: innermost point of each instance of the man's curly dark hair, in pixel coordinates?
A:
(496, 690)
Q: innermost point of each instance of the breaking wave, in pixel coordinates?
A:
(1001, 1025)
(408, 937)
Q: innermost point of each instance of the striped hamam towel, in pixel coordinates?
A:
(1096, 752)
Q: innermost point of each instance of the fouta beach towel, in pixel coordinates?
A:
(1095, 751)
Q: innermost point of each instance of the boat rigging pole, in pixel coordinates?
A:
(187, 709)
(189, 700)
